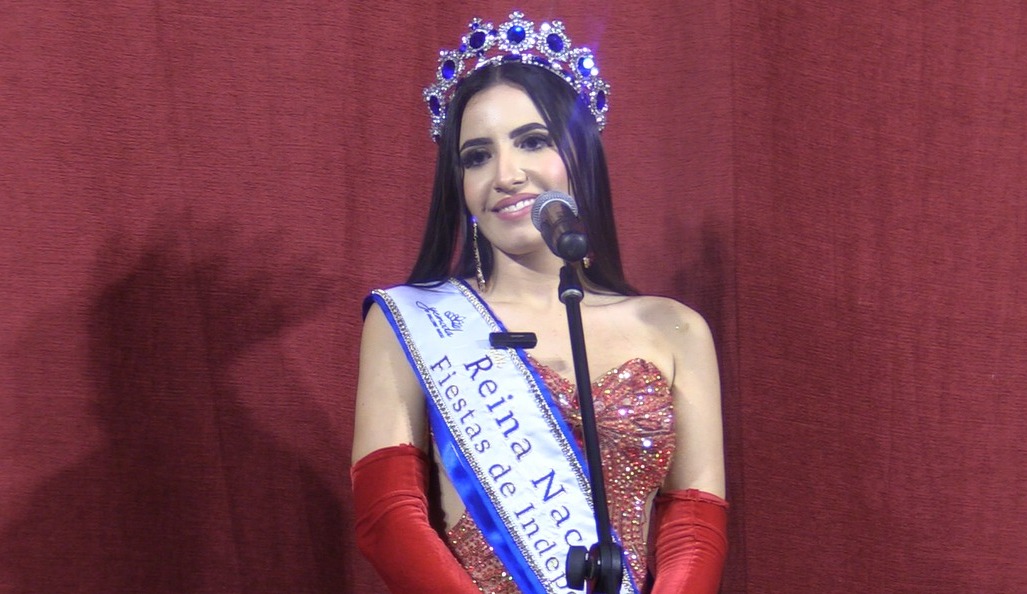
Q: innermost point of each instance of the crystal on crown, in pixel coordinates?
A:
(517, 40)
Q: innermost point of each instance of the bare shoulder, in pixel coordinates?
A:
(669, 334)
(670, 319)
(380, 351)
(377, 333)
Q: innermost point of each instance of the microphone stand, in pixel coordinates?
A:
(601, 565)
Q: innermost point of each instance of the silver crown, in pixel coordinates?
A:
(517, 40)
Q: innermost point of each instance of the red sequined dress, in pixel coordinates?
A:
(635, 419)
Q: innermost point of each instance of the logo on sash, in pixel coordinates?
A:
(445, 323)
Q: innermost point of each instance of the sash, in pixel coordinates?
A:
(502, 441)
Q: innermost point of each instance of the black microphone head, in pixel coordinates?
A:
(549, 197)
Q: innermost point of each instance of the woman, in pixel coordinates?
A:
(516, 112)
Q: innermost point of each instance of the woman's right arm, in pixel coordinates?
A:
(390, 472)
(390, 403)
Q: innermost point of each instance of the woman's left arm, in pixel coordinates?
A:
(698, 461)
(690, 513)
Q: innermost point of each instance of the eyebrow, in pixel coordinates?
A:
(513, 134)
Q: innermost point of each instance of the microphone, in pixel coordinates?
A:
(555, 214)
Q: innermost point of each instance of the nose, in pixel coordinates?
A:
(510, 173)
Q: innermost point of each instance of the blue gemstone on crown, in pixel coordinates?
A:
(433, 104)
(586, 66)
(555, 42)
(515, 34)
(600, 100)
(448, 69)
(477, 39)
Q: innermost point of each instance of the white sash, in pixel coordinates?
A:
(505, 447)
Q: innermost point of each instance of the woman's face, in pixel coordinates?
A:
(508, 158)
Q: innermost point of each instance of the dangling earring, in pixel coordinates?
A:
(586, 262)
(477, 255)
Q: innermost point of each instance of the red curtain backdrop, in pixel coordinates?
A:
(194, 199)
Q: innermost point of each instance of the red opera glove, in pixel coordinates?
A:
(392, 525)
(691, 542)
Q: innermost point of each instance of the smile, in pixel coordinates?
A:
(517, 205)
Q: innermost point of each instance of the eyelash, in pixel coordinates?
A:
(542, 138)
(478, 156)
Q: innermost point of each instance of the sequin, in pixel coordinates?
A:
(636, 446)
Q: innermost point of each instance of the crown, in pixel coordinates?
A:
(517, 40)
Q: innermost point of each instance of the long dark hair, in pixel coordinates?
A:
(573, 130)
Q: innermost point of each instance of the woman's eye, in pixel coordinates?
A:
(535, 142)
(471, 159)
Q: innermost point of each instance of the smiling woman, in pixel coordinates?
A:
(569, 125)
(503, 425)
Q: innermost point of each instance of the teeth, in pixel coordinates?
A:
(517, 206)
